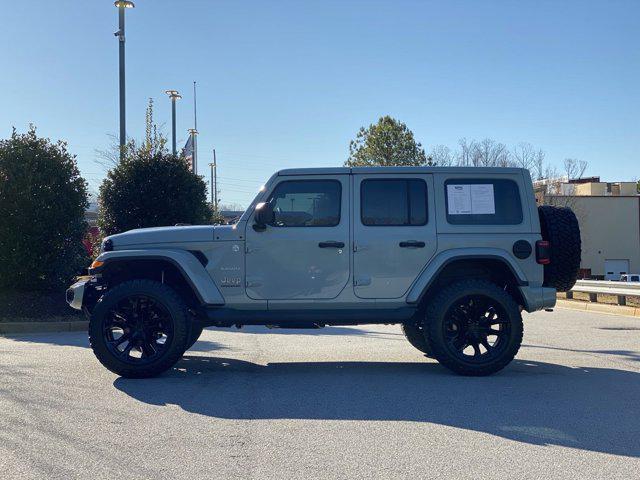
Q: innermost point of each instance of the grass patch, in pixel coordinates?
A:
(603, 298)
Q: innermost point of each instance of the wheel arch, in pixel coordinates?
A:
(179, 269)
(493, 265)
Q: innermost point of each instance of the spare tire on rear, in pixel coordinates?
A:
(559, 226)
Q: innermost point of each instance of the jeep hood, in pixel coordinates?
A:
(159, 235)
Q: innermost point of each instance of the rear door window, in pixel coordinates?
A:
(393, 202)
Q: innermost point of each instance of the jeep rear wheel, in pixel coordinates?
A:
(139, 328)
(474, 327)
(415, 335)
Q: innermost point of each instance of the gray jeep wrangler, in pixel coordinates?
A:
(452, 254)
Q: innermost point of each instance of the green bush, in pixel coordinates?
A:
(42, 204)
(151, 188)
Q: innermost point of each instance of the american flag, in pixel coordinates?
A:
(187, 152)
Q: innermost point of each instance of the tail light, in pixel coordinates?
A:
(543, 252)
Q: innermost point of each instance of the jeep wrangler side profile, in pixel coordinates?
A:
(452, 254)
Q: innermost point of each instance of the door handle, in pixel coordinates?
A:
(331, 244)
(412, 244)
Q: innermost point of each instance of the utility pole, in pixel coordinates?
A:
(122, 4)
(214, 182)
(173, 95)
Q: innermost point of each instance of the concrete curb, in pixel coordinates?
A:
(43, 327)
(599, 307)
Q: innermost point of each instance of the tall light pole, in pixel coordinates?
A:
(122, 5)
(173, 95)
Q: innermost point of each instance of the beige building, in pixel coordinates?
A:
(609, 217)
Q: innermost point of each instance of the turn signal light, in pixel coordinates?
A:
(543, 252)
(96, 264)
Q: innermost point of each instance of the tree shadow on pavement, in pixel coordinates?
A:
(81, 339)
(64, 339)
(538, 403)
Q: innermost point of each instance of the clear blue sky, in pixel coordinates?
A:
(288, 83)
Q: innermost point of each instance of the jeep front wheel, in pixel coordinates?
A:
(139, 328)
(475, 327)
(194, 335)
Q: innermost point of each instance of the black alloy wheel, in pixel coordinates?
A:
(138, 329)
(477, 329)
(473, 327)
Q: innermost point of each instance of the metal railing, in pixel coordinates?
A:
(622, 290)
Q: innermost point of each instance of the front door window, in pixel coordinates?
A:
(307, 203)
(303, 253)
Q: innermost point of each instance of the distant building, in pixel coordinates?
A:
(609, 217)
(91, 214)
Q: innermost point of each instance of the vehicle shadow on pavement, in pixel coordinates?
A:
(627, 354)
(538, 403)
(329, 330)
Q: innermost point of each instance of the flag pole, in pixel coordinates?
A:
(195, 127)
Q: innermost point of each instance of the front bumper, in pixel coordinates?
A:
(76, 292)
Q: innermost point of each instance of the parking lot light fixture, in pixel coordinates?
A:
(122, 5)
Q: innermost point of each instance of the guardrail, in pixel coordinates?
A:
(593, 287)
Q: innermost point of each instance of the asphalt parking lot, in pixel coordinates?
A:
(332, 403)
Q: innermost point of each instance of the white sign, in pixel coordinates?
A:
(471, 199)
(459, 199)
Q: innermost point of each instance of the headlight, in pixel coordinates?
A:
(107, 245)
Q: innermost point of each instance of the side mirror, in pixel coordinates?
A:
(263, 216)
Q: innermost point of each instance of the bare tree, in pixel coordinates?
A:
(441, 155)
(574, 168)
(109, 157)
(465, 154)
(489, 153)
(539, 165)
(154, 142)
(558, 191)
(524, 156)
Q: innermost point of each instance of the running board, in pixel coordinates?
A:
(226, 317)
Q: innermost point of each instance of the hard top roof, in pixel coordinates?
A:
(388, 170)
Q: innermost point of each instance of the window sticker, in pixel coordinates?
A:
(459, 199)
(471, 199)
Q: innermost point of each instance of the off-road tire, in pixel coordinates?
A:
(415, 334)
(194, 335)
(163, 295)
(437, 311)
(559, 226)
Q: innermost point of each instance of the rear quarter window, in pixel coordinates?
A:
(479, 201)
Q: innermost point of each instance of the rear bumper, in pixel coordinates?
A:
(538, 298)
